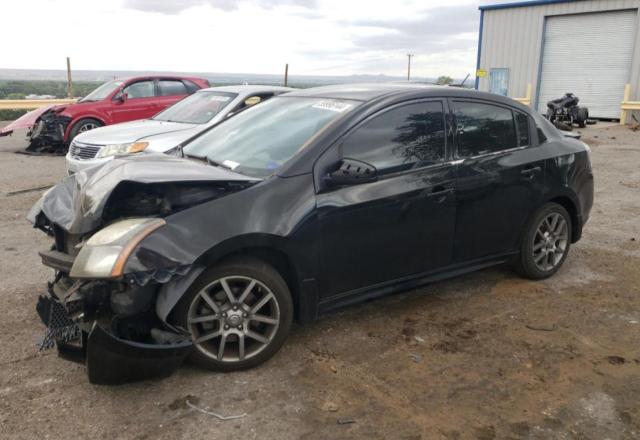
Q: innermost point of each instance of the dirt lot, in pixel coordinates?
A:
(485, 356)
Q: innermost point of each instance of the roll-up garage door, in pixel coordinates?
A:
(588, 55)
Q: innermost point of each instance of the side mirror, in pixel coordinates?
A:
(352, 172)
(121, 98)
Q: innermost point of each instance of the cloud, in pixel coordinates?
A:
(172, 7)
(432, 30)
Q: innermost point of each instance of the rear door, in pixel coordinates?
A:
(140, 102)
(403, 223)
(169, 92)
(500, 178)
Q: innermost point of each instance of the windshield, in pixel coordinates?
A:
(198, 108)
(261, 139)
(103, 91)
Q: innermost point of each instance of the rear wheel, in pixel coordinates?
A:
(546, 242)
(239, 314)
(84, 125)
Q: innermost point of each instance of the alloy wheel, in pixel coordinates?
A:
(550, 242)
(87, 126)
(233, 318)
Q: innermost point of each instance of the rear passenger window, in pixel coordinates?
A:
(542, 138)
(172, 88)
(402, 138)
(484, 128)
(522, 121)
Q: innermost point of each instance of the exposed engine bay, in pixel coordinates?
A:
(47, 134)
(109, 321)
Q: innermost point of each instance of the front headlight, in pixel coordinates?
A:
(106, 252)
(122, 149)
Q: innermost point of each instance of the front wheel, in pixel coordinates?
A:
(84, 125)
(239, 314)
(546, 242)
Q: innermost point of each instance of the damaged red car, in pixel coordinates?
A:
(51, 129)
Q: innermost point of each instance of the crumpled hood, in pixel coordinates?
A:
(28, 119)
(76, 204)
(130, 131)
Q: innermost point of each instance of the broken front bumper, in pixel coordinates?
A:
(109, 360)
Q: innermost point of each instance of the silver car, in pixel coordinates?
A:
(168, 128)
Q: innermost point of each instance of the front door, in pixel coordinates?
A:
(500, 179)
(140, 102)
(403, 223)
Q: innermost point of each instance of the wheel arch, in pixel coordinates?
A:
(572, 208)
(275, 251)
(79, 119)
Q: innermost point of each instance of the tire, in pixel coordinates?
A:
(531, 263)
(583, 115)
(83, 125)
(245, 342)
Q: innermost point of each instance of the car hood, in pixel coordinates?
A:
(131, 131)
(28, 119)
(76, 204)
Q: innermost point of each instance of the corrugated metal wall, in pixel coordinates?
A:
(512, 38)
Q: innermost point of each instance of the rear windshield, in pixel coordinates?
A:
(198, 108)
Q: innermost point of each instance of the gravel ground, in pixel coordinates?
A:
(487, 355)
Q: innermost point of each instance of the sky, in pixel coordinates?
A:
(316, 37)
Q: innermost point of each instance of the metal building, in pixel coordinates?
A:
(587, 47)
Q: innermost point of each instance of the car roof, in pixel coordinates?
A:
(159, 76)
(247, 89)
(369, 92)
(362, 91)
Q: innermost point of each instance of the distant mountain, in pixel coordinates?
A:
(214, 78)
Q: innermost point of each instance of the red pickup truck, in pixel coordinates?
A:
(52, 128)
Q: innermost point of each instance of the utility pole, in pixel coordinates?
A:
(69, 82)
(409, 56)
(286, 74)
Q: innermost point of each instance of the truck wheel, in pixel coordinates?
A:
(239, 314)
(84, 125)
(545, 243)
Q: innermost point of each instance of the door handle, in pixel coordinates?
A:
(530, 173)
(440, 194)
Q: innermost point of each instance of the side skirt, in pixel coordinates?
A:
(409, 282)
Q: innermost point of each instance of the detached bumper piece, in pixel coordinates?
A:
(109, 360)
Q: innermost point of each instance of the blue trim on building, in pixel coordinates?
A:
(523, 4)
(479, 47)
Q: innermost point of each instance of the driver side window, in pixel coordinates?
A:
(140, 89)
(405, 137)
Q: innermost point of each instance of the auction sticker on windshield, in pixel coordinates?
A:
(219, 98)
(334, 106)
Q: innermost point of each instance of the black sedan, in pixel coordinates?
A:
(312, 201)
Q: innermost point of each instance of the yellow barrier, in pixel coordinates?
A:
(527, 99)
(30, 104)
(627, 105)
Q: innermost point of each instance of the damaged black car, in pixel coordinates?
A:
(304, 204)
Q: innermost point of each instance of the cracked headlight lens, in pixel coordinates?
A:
(106, 252)
(122, 149)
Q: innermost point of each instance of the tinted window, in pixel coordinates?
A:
(522, 121)
(483, 128)
(405, 137)
(191, 86)
(541, 136)
(142, 89)
(172, 88)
